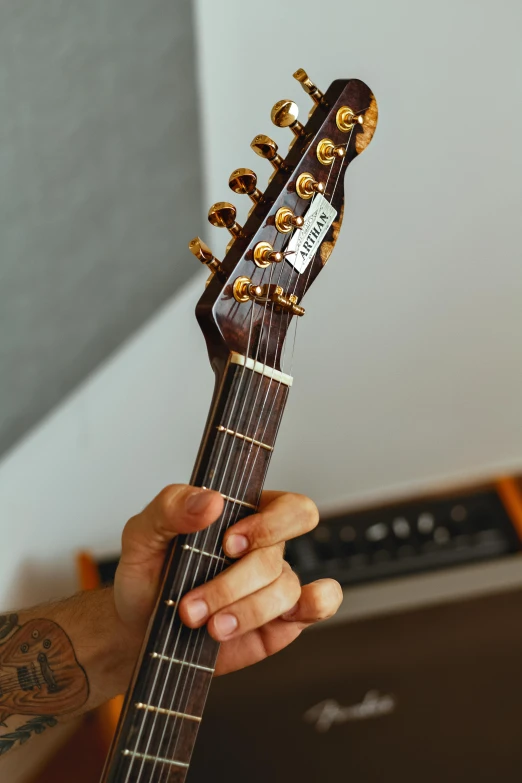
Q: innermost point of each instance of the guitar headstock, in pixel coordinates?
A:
(292, 228)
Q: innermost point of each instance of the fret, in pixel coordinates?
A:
(246, 438)
(246, 325)
(236, 500)
(147, 757)
(163, 711)
(177, 663)
(207, 554)
(182, 663)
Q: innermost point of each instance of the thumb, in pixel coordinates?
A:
(177, 509)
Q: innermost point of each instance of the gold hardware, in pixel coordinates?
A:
(327, 151)
(347, 119)
(240, 289)
(227, 249)
(264, 254)
(245, 181)
(223, 215)
(202, 251)
(306, 186)
(244, 289)
(285, 220)
(266, 148)
(284, 115)
(308, 85)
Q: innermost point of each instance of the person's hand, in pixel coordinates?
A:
(257, 605)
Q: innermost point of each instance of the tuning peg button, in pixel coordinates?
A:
(285, 220)
(347, 119)
(245, 181)
(308, 86)
(306, 186)
(223, 215)
(202, 252)
(284, 114)
(327, 151)
(264, 255)
(266, 148)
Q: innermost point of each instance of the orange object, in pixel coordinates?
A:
(510, 492)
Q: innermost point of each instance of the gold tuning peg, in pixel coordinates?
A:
(327, 151)
(306, 186)
(223, 215)
(245, 181)
(308, 86)
(347, 119)
(202, 251)
(265, 147)
(264, 255)
(284, 114)
(244, 289)
(285, 220)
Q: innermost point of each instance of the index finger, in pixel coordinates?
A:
(282, 515)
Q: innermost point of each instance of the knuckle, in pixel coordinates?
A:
(272, 561)
(306, 509)
(261, 530)
(286, 594)
(219, 593)
(293, 586)
(166, 498)
(258, 611)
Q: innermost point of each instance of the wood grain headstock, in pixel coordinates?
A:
(293, 226)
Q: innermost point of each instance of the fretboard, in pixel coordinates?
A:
(165, 702)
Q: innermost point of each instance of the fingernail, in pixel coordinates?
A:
(225, 625)
(290, 614)
(236, 544)
(197, 610)
(197, 502)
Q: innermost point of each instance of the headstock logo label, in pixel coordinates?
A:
(305, 242)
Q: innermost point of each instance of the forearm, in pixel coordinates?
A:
(60, 660)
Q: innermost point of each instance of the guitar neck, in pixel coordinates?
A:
(164, 705)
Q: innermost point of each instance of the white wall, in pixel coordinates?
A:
(103, 454)
(412, 376)
(408, 359)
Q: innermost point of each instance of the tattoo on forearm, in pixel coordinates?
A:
(39, 676)
(24, 733)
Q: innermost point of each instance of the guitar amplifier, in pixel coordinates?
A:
(418, 678)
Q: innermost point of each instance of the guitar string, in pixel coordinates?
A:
(204, 545)
(277, 428)
(206, 533)
(223, 523)
(310, 266)
(266, 396)
(268, 419)
(252, 446)
(311, 263)
(170, 624)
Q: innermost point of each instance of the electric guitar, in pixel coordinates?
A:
(248, 313)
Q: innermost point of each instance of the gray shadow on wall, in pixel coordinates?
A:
(100, 189)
